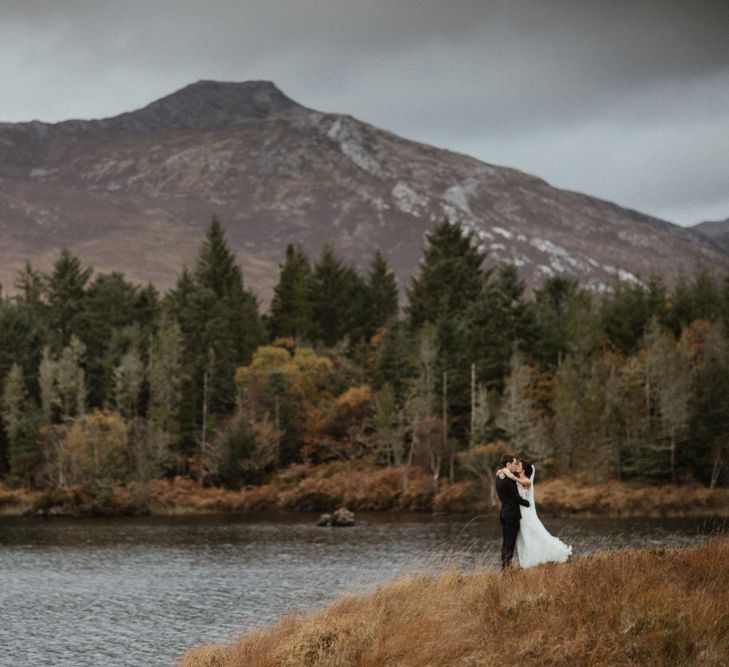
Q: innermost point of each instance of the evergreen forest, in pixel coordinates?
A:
(105, 381)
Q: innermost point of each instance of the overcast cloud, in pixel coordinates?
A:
(628, 101)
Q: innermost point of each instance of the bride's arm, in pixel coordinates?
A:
(519, 480)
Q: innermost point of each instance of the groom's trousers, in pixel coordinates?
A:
(509, 531)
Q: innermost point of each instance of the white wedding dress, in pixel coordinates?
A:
(534, 543)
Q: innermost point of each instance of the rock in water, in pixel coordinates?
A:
(324, 520)
(343, 517)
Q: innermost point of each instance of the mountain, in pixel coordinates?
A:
(135, 192)
(717, 230)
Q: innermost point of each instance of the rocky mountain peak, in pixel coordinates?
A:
(149, 180)
(206, 104)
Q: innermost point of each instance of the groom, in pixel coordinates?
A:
(510, 513)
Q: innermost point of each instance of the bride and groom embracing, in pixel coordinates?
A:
(520, 526)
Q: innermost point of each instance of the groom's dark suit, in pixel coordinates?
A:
(510, 517)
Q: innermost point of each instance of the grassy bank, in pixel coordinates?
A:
(17, 501)
(646, 607)
(362, 487)
(325, 488)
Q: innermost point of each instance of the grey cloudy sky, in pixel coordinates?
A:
(628, 101)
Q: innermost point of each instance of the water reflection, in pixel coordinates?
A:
(141, 591)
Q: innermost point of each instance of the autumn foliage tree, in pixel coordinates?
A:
(285, 385)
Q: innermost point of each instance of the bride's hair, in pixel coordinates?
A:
(527, 468)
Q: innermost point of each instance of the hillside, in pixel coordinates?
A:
(133, 193)
(717, 230)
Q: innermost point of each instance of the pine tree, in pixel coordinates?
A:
(31, 285)
(450, 276)
(706, 455)
(705, 297)
(186, 416)
(382, 295)
(110, 308)
(291, 314)
(657, 300)
(725, 302)
(357, 320)
(497, 321)
(627, 312)
(20, 423)
(216, 312)
(552, 304)
(187, 304)
(216, 267)
(66, 290)
(22, 336)
(179, 300)
(444, 294)
(146, 312)
(236, 308)
(396, 361)
(338, 294)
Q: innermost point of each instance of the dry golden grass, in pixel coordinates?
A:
(567, 497)
(648, 607)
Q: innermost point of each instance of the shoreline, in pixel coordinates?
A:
(316, 490)
(640, 606)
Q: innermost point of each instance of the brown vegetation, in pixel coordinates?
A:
(91, 500)
(365, 487)
(564, 497)
(647, 607)
(303, 488)
(16, 501)
(362, 487)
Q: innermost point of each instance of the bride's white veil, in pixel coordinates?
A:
(531, 487)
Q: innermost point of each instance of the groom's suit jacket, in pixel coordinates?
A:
(510, 499)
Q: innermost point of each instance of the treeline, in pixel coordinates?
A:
(108, 382)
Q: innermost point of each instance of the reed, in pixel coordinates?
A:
(630, 607)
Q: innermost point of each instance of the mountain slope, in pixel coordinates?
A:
(717, 230)
(135, 192)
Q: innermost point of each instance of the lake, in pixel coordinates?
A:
(141, 591)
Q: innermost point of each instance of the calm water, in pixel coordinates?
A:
(140, 591)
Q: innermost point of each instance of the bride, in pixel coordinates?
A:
(534, 543)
